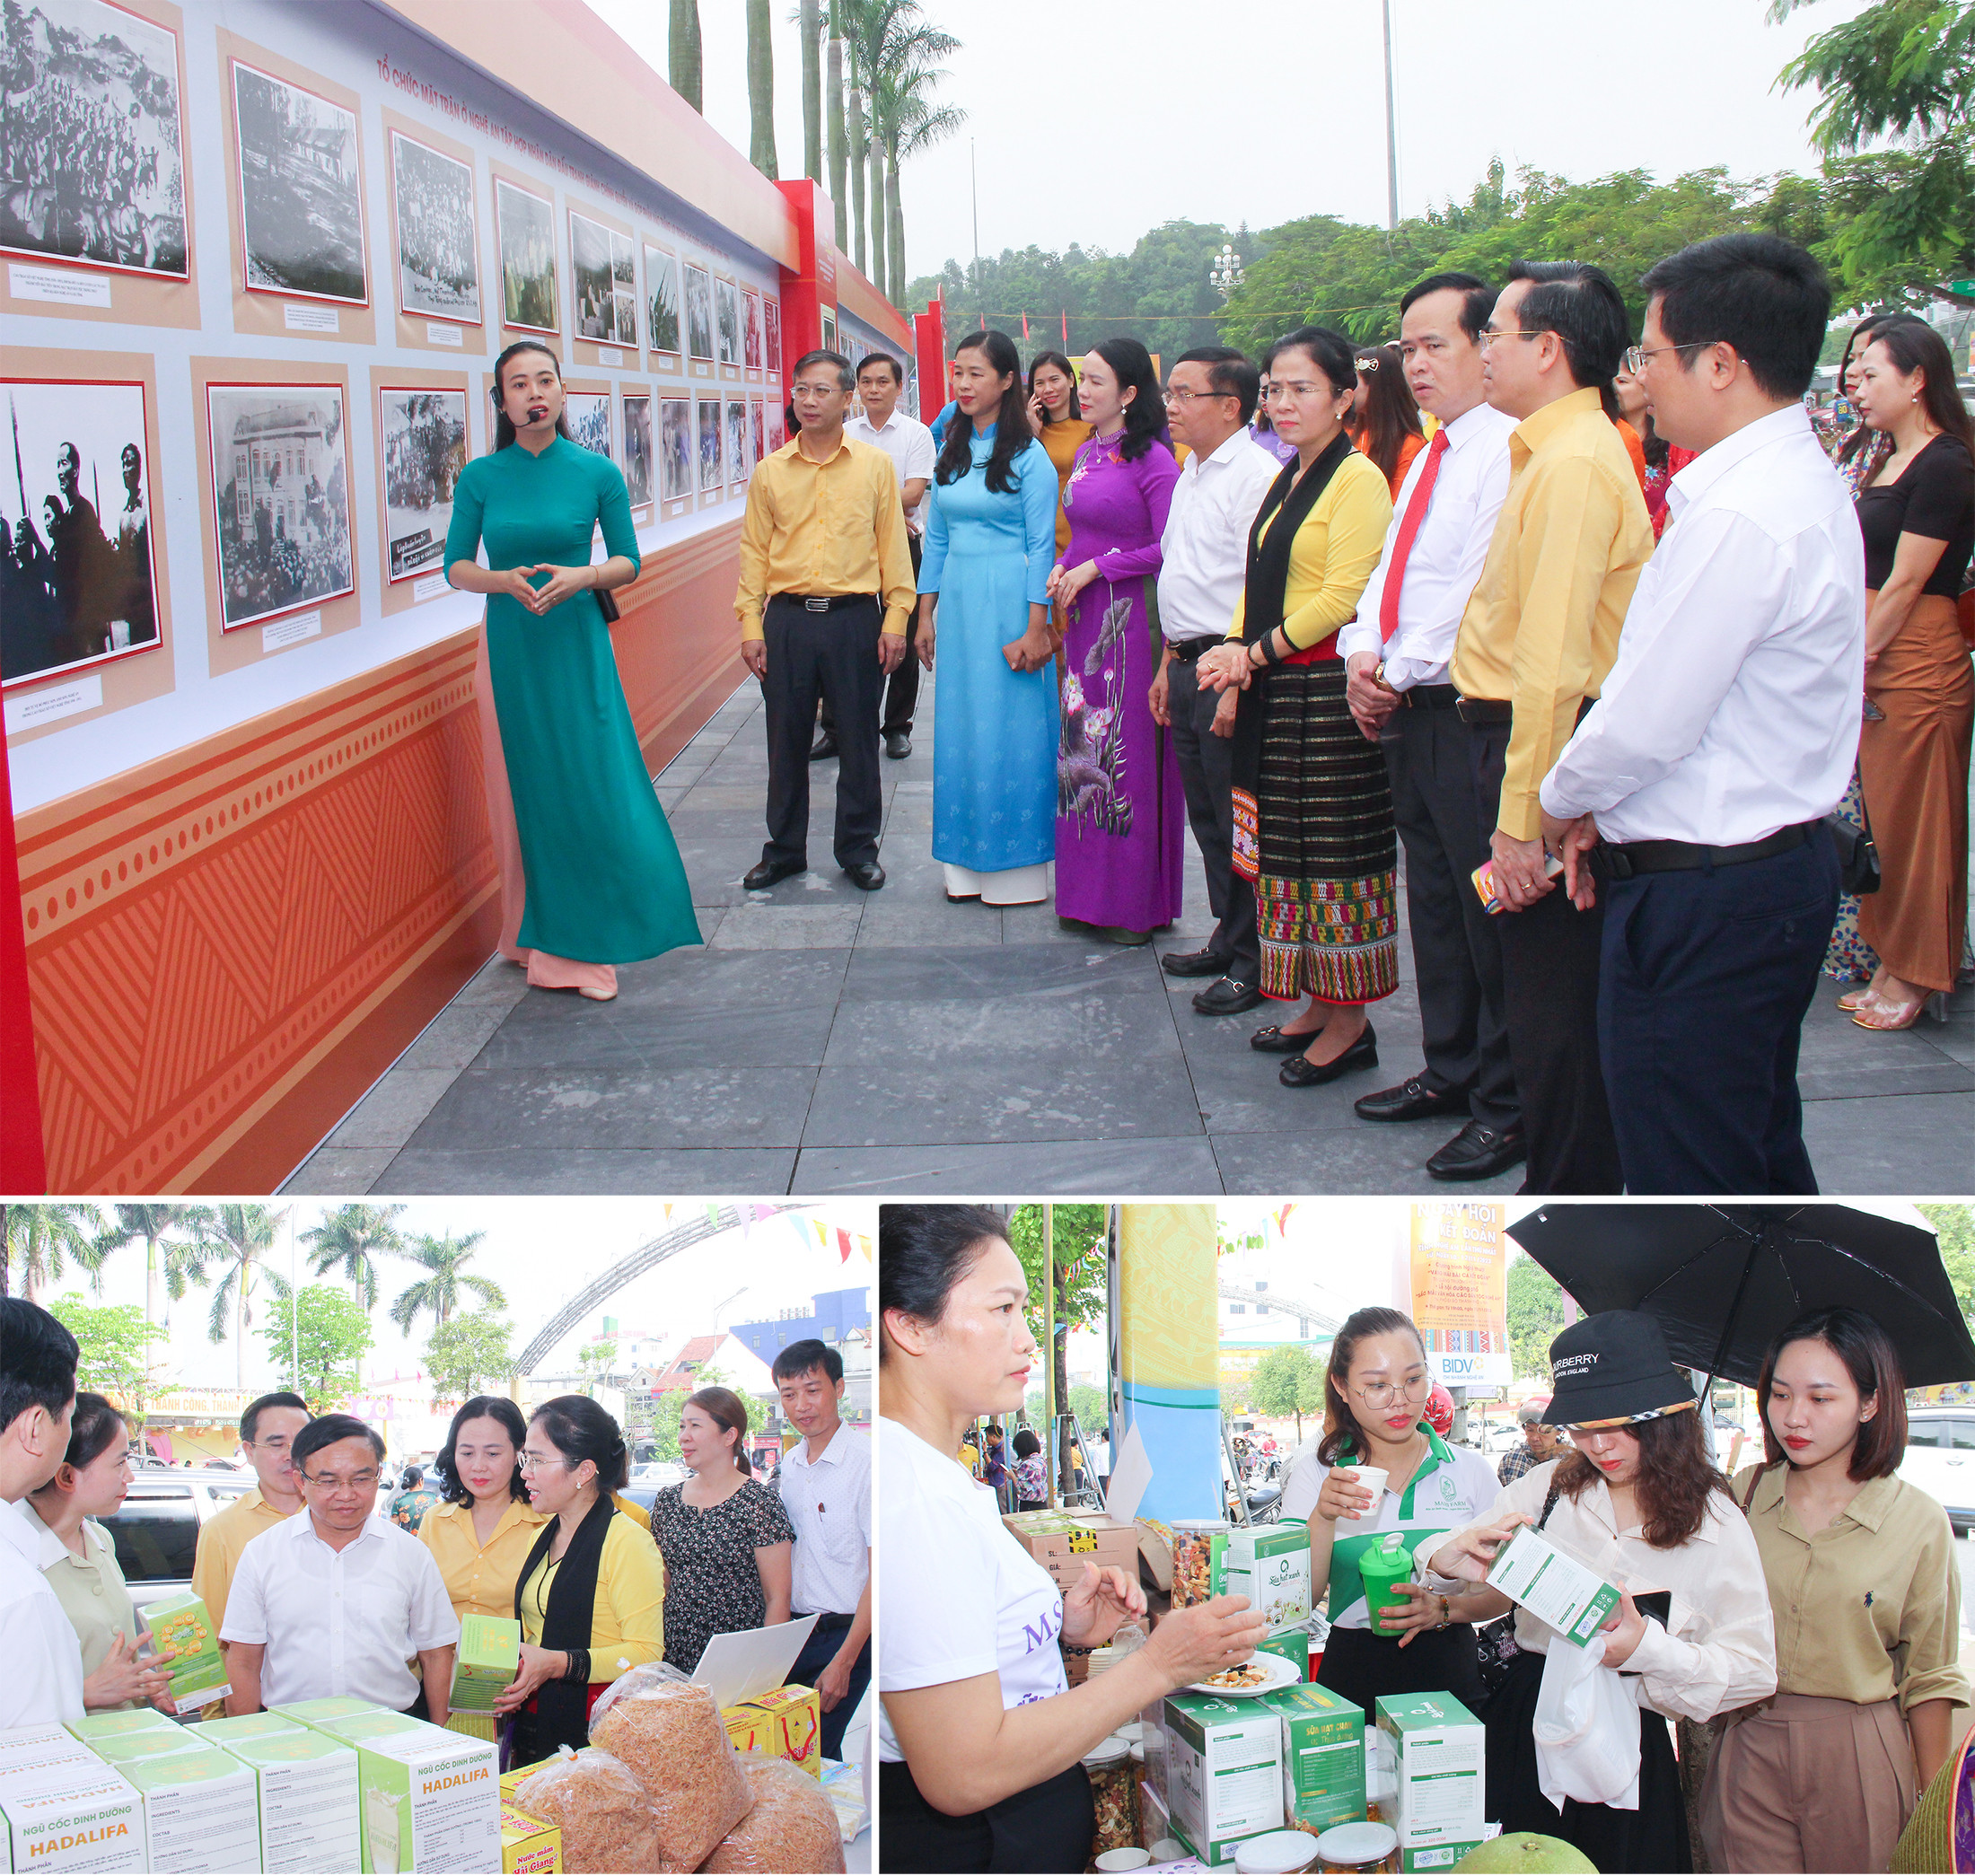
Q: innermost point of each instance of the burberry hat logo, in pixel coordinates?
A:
(1570, 1362)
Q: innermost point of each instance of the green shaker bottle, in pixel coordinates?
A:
(1382, 1566)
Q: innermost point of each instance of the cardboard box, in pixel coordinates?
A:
(489, 1654)
(431, 1803)
(228, 1732)
(121, 1749)
(1224, 1772)
(1441, 1856)
(1268, 1564)
(1293, 1644)
(377, 1725)
(788, 1723)
(93, 1727)
(1063, 1542)
(201, 1812)
(528, 1843)
(337, 1706)
(1439, 1749)
(181, 1626)
(310, 1817)
(1553, 1585)
(91, 1824)
(22, 1745)
(1322, 1755)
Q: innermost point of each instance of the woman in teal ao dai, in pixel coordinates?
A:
(591, 876)
(990, 542)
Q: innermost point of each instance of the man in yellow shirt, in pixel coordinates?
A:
(826, 589)
(1538, 635)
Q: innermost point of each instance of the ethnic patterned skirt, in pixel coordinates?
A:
(1326, 903)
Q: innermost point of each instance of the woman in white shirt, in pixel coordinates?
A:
(1374, 1390)
(982, 1739)
(1638, 1500)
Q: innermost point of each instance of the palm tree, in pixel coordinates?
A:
(152, 1223)
(354, 1237)
(42, 1236)
(915, 125)
(902, 52)
(760, 90)
(238, 1238)
(682, 51)
(809, 15)
(444, 1260)
(834, 109)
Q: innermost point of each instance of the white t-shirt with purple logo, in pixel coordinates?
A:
(957, 1595)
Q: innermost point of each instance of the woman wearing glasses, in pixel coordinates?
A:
(1639, 1500)
(1374, 1397)
(592, 1593)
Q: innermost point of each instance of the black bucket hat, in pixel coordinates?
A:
(1612, 1368)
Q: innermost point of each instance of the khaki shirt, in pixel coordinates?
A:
(221, 1541)
(89, 1588)
(1868, 1609)
(481, 1581)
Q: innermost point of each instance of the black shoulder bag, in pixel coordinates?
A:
(1494, 1642)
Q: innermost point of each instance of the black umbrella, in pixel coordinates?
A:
(1722, 1280)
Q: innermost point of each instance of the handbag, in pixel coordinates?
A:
(608, 606)
(1857, 854)
(1495, 1644)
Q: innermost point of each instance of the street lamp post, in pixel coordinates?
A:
(1392, 125)
(1225, 270)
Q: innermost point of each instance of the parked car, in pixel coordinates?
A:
(156, 1528)
(1940, 1458)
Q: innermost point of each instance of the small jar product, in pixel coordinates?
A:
(1193, 1558)
(1114, 1796)
(1276, 1853)
(1357, 1849)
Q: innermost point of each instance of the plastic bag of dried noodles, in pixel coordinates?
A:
(668, 1730)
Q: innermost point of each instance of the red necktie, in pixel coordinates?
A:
(1415, 513)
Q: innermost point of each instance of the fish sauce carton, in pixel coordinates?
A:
(1554, 1586)
(1322, 1755)
(788, 1723)
(181, 1626)
(1063, 1542)
(310, 1817)
(1440, 1751)
(1224, 1772)
(81, 1818)
(1270, 1564)
(201, 1812)
(489, 1653)
(529, 1846)
(431, 1803)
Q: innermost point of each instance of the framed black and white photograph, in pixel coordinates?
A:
(675, 448)
(422, 434)
(524, 224)
(78, 582)
(281, 495)
(92, 154)
(601, 265)
(726, 305)
(637, 447)
(661, 299)
(301, 191)
(751, 329)
(771, 322)
(438, 240)
(740, 463)
(589, 414)
(711, 481)
(699, 311)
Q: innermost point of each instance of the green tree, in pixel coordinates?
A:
(835, 114)
(594, 1361)
(468, 1355)
(316, 1340)
(43, 1239)
(682, 51)
(115, 1341)
(438, 1292)
(760, 90)
(1287, 1383)
(352, 1238)
(1535, 1315)
(809, 23)
(238, 1238)
(1080, 1236)
(153, 1226)
(910, 122)
(1955, 1230)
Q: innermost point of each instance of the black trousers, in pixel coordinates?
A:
(1706, 979)
(1550, 1001)
(828, 654)
(1049, 1828)
(1457, 947)
(1206, 773)
(902, 688)
(820, 1649)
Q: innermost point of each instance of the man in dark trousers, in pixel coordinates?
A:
(826, 589)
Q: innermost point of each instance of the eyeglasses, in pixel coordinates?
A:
(277, 1444)
(335, 1482)
(528, 1462)
(1299, 390)
(1489, 337)
(1188, 397)
(1381, 1394)
(1636, 356)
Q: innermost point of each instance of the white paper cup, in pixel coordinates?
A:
(1371, 1479)
(1124, 1860)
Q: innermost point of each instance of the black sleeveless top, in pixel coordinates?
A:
(1935, 496)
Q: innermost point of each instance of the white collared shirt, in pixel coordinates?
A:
(909, 446)
(829, 1501)
(338, 1621)
(1205, 545)
(1447, 555)
(43, 1682)
(1732, 709)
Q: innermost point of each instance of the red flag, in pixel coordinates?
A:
(1066, 328)
(843, 1247)
(1025, 325)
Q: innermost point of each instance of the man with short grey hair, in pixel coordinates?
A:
(1539, 1444)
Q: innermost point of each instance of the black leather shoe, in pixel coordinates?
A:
(1479, 1152)
(866, 875)
(824, 747)
(764, 873)
(1412, 1100)
(898, 744)
(1300, 1072)
(1193, 964)
(1272, 1041)
(1227, 997)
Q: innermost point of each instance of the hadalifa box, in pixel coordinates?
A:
(431, 1803)
(310, 1817)
(181, 1626)
(87, 1823)
(201, 1813)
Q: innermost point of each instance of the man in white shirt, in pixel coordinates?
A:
(336, 1601)
(826, 1490)
(43, 1682)
(1210, 396)
(1725, 732)
(909, 444)
(1396, 653)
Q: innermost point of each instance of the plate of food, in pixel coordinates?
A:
(1258, 1674)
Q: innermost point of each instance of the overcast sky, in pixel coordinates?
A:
(1093, 120)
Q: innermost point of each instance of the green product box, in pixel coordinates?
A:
(1441, 1856)
(1322, 1755)
(181, 1626)
(201, 1813)
(1439, 1748)
(489, 1653)
(1553, 1585)
(1268, 1564)
(321, 1713)
(94, 1728)
(1224, 1772)
(91, 1824)
(131, 1748)
(378, 1724)
(1293, 1644)
(230, 1732)
(311, 1819)
(431, 1802)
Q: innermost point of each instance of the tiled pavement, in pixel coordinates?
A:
(829, 1040)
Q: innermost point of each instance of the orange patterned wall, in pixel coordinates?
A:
(226, 945)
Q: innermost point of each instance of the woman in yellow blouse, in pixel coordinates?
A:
(480, 1535)
(592, 1594)
(1059, 421)
(1865, 1593)
(1312, 810)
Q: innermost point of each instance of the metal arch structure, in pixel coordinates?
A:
(1276, 1300)
(646, 1257)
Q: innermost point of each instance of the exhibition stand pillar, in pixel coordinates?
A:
(1169, 1352)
